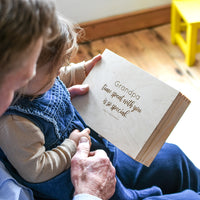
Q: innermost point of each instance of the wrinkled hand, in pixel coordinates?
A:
(92, 172)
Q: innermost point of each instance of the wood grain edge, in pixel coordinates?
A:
(125, 23)
(162, 131)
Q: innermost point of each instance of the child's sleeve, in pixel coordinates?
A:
(23, 144)
(73, 74)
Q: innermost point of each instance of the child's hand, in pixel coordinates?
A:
(91, 63)
(77, 90)
(76, 135)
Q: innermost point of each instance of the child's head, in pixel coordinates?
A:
(58, 52)
(53, 56)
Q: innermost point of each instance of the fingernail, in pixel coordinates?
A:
(83, 140)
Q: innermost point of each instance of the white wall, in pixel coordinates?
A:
(88, 10)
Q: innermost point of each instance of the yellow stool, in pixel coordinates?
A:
(185, 17)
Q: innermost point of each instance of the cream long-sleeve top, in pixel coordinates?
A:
(23, 142)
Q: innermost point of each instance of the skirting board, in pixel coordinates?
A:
(125, 23)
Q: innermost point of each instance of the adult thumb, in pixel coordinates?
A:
(83, 148)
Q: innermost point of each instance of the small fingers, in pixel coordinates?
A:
(78, 90)
(91, 63)
(96, 58)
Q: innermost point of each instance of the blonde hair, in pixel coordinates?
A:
(58, 52)
(23, 22)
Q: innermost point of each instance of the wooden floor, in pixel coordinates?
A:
(151, 49)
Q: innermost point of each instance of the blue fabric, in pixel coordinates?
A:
(53, 113)
(185, 195)
(171, 171)
(11, 189)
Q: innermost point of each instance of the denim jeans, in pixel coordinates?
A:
(171, 176)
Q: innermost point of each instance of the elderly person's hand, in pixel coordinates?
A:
(92, 172)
